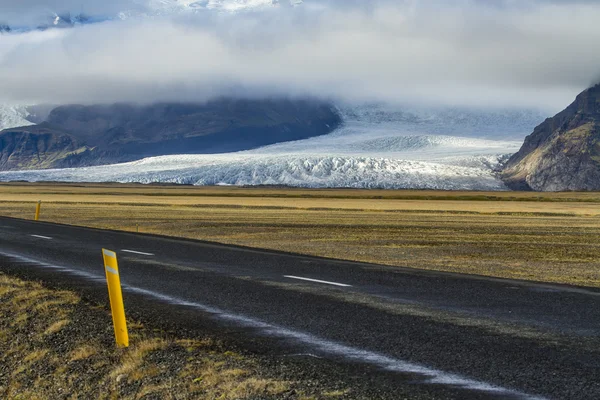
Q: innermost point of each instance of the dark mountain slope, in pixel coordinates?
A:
(104, 134)
(563, 153)
(39, 146)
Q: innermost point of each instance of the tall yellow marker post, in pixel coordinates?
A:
(116, 297)
(37, 210)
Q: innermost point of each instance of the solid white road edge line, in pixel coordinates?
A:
(137, 252)
(317, 281)
(431, 375)
(42, 237)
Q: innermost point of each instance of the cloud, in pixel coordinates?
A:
(493, 53)
(32, 12)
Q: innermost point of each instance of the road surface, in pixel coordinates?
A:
(427, 334)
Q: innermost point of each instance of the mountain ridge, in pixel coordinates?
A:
(562, 153)
(36, 146)
(103, 134)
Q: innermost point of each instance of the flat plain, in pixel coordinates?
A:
(550, 237)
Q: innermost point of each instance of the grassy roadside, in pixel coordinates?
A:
(55, 345)
(555, 238)
(500, 203)
(158, 190)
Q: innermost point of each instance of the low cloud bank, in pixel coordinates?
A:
(499, 53)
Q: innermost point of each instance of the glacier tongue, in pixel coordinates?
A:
(373, 149)
(300, 171)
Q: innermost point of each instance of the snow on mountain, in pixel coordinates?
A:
(419, 134)
(375, 148)
(224, 5)
(170, 7)
(12, 116)
(145, 8)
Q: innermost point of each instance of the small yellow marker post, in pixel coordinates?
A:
(37, 210)
(116, 297)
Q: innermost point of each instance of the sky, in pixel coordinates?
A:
(484, 53)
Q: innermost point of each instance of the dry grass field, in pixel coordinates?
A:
(533, 236)
(54, 345)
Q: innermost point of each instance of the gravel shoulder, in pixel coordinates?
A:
(56, 344)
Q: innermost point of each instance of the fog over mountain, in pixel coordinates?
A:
(484, 53)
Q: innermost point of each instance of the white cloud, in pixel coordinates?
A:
(509, 54)
(32, 12)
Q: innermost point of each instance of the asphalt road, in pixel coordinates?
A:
(434, 335)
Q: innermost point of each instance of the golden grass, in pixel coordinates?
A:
(552, 237)
(83, 352)
(149, 191)
(136, 355)
(337, 393)
(56, 326)
(81, 361)
(216, 381)
(35, 355)
(357, 200)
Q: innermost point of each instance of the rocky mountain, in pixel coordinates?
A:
(65, 18)
(53, 20)
(35, 147)
(77, 135)
(563, 153)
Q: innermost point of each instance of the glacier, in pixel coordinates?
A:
(12, 116)
(174, 6)
(445, 149)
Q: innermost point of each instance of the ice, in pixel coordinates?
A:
(300, 171)
(375, 148)
(12, 116)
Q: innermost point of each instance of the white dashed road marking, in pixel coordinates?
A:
(42, 237)
(137, 252)
(317, 281)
